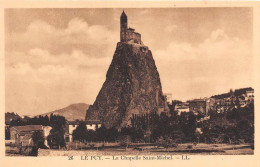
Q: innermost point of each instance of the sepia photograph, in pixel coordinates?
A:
(129, 82)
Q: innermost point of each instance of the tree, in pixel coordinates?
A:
(57, 121)
(112, 134)
(136, 134)
(80, 133)
(46, 121)
(38, 142)
(40, 120)
(7, 133)
(188, 125)
(91, 136)
(101, 133)
(18, 122)
(38, 139)
(56, 137)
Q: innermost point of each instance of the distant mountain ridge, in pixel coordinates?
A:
(72, 112)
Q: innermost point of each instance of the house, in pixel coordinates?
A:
(182, 107)
(250, 93)
(22, 135)
(201, 105)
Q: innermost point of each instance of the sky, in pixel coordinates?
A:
(57, 57)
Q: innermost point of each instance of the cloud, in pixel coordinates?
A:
(40, 27)
(214, 64)
(31, 90)
(218, 35)
(55, 80)
(170, 28)
(49, 67)
(144, 12)
(38, 57)
(77, 35)
(57, 66)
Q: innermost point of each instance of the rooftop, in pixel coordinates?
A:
(86, 122)
(131, 29)
(28, 127)
(197, 100)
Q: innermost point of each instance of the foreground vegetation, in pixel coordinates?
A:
(233, 128)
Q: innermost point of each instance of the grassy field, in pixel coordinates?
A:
(201, 149)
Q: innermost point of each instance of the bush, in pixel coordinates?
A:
(38, 139)
(189, 146)
(166, 143)
(56, 140)
(80, 132)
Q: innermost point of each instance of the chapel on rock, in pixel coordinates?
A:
(128, 34)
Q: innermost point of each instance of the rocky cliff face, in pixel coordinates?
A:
(132, 86)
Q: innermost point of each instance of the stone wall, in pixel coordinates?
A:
(131, 35)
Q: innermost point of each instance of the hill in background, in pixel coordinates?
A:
(72, 112)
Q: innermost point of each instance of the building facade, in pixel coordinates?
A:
(201, 106)
(22, 135)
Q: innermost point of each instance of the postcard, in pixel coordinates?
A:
(130, 83)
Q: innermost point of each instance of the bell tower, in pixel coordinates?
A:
(123, 27)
